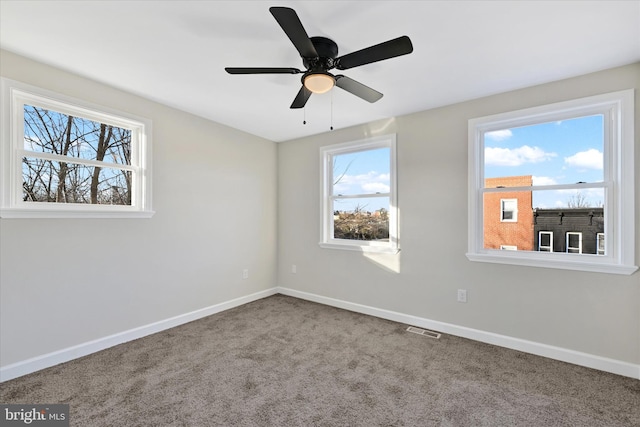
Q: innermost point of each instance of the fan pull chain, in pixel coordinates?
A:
(304, 115)
(331, 127)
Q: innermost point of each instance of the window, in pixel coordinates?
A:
(600, 243)
(62, 157)
(545, 241)
(509, 210)
(359, 209)
(574, 162)
(574, 243)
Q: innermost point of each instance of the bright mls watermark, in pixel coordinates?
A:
(54, 415)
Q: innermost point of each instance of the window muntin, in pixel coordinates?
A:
(604, 186)
(63, 157)
(359, 195)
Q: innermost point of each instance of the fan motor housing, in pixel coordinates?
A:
(327, 51)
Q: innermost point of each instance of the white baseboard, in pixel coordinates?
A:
(558, 353)
(583, 359)
(54, 358)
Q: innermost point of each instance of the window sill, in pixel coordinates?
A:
(360, 248)
(13, 213)
(604, 266)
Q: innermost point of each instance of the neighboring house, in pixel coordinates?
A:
(573, 230)
(511, 223)
(508, 216)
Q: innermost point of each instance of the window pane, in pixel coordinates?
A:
(544, 229)
(509, 209)
(545, 239)
(62, 182)
(560, 152)
(574, 240)
(363, 172)
(48, 131)
(361, 218)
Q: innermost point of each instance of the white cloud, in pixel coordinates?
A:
(371, 182)
(543, 180)
(496, 156)
(590, 159)
(375, 187)
(499, 135)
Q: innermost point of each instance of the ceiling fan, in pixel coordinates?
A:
(320, 54)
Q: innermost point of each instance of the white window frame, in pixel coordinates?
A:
(503, 203)
(568, 238)
(599, 238)
(618, 184)
(326, 202)
(14, 95)
(550, 247)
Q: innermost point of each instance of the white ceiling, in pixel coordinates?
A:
(174, 52)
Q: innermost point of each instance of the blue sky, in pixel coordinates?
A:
(562, 152)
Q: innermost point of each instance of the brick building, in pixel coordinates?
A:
(508, 216)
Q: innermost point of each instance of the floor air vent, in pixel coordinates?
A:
(424, 332)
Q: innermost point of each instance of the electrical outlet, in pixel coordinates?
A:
(245, 273)
(462, 295)
(294, 269)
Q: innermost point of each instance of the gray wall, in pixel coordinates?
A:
(593, 313)
(66, 282)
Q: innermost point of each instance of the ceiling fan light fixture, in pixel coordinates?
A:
(319, 82)
(320, 54)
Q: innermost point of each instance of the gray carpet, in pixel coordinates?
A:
(282, 361)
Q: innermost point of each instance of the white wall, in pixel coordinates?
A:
(67, 282)
(592, 313)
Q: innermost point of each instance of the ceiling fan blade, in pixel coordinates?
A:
(357, 88)
(389, 49)
(301, 98)
(290, 23)
(263, 70)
